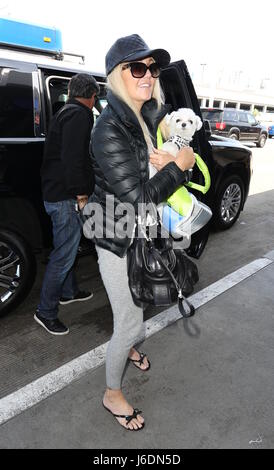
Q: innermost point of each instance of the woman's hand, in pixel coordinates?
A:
(159, 159)
(185, 158)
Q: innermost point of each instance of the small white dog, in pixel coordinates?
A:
(182, 125)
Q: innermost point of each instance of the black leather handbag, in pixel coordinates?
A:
(158, 274)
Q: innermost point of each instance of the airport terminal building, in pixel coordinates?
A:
(248, 100)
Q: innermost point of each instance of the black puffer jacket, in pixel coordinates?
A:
(121, 163)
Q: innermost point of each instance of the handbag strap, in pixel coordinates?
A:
(182, 301)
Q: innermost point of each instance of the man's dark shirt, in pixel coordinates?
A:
(66, 170)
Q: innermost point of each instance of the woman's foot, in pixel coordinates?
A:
(139, 359)
(115, 402)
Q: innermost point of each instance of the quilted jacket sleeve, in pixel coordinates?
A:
(120, 166)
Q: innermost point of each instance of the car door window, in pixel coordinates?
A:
(57, 91)
(251, 120)
(173, 84)
(243, 117)
(16, 104)
(230, 116)
(102, 102)
(212, 116)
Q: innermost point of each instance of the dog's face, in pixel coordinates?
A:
(183, 122)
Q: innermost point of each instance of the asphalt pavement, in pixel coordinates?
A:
(210, 384)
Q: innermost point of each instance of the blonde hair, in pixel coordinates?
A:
(117, 86)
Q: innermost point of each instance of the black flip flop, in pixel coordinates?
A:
(140, 361)
(128, 418)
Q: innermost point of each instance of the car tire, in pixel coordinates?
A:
(233, 136)
(228, 202)
(17, 270)
(262, 140)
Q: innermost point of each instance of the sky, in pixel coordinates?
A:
(229, 36)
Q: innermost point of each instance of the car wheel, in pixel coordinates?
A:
(261, 142)
(17, 270)
(228, 202)
(234, 136)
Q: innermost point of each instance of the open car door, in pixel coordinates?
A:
(180, 93)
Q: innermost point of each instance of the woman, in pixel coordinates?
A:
(123, 138)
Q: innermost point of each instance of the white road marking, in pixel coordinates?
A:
(258, 441)
(44, 387)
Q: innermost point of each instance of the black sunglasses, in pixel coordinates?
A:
(139, 69)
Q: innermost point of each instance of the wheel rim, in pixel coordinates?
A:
(10, 272)
(263, 139)
(231, 202)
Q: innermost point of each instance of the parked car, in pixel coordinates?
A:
(270, 127)
(32, 86)
(267, 119)
(235, 124)
(271, 131)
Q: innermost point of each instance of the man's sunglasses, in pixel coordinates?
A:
(139, 69)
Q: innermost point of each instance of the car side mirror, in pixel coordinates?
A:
(207, 128)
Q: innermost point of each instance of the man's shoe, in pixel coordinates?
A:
(80, 297)
(55, 327)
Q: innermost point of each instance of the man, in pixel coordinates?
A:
(67, 182)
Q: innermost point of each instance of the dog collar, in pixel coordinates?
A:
(179, 141)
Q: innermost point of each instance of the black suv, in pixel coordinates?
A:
(235, 124)
(32, 88)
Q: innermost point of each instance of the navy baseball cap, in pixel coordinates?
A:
(131, 48)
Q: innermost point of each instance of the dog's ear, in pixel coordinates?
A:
(168, 117)
(199, 123)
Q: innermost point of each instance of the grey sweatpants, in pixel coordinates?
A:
(127, 317)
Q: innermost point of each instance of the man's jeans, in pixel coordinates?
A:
(59, 280)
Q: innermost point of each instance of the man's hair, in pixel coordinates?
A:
(82, 85)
